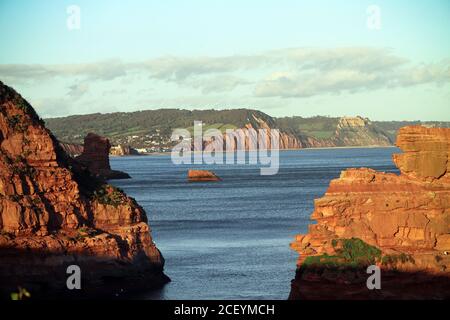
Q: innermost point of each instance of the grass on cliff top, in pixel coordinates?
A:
(110, 195)
(349, 253)
(354, 253)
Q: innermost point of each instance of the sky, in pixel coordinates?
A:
(382, 59)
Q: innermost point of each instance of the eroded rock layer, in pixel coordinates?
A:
(406, 217)
(53, 214)
(72, 149)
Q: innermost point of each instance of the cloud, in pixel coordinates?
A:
(76, 91)
(292, 72)
(220, 83)
(52, 107)
(103, 70)
(366, 73)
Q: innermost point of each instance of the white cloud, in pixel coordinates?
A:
(294, 72)
(76, 91)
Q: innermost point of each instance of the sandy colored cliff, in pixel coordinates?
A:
(402, 220)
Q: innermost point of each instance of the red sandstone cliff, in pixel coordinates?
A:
(54, 214)
(71, 149)
(249, 138)
(406, 216)
(350, 131)
(95, 157)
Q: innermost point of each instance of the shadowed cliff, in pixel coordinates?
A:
(53, 212)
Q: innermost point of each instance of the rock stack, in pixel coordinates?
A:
(95, 157)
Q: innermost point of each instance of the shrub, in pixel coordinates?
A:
(16, 123)
(349, 252)
(109, 195)
(357, 251)
(22, 294)
(393, 259)
(85, 232)
(22, 105)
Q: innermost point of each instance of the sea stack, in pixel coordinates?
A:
(54, 214)
(401, 223)
(202, 175)
(95, 157)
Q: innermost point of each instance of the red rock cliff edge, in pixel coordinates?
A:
(54, 214)
(406, 216)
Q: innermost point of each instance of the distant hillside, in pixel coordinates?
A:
(318, 127)
(151, 129)
(121, 125)
(391, 127)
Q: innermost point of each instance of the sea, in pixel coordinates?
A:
(230, 239)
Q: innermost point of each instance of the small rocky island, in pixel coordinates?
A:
(401, 223)
(54, 213)
(202, 176)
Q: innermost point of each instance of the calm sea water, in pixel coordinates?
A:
(230, 239)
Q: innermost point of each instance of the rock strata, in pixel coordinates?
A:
(71, 149)
(53, 214)
(406, 217)
(358, 131)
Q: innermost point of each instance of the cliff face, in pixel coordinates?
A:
(71, 149)
(405, 217)
(122, 150)
(53, 213)
(248, 137)
(358, 131)
(350, 131)
(95, 157)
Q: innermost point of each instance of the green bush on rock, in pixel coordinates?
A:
(109, 195)
(349, 253)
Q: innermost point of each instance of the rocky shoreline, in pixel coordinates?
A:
(54, 213)
(401, 223)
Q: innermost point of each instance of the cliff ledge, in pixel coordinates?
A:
(399, 222)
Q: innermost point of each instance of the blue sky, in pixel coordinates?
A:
(282, 57)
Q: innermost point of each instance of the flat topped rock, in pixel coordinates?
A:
(202, 175)
(405, 217)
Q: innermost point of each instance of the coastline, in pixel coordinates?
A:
(290, 149)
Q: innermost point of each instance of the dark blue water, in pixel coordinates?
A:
(230, 239)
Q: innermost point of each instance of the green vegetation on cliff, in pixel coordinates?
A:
(349, 253)
(354, 253)
(317, 127)
(123, 124)
(149, 128)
